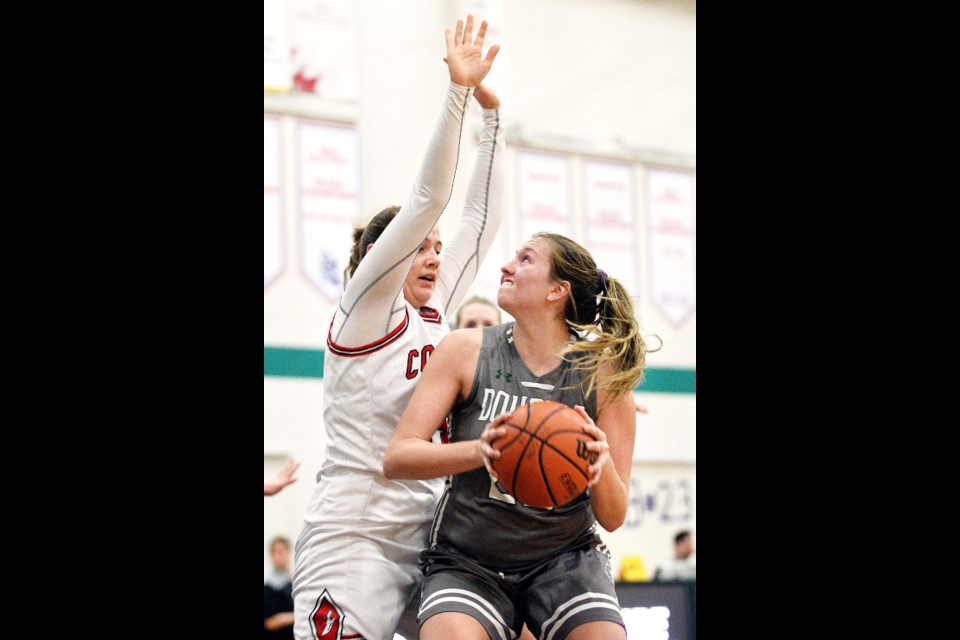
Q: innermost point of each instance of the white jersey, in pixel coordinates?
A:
(373, 384)
(356, 561)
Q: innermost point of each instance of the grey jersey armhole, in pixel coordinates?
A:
(491, 338)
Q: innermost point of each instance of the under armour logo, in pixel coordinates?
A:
(500, 373)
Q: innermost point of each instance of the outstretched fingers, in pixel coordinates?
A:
(481, 34)
(465, 57)
(458, 36)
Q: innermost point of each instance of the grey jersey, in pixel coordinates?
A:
(475, 517)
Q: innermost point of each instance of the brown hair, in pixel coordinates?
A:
(284, 540)
(481, 300)
(364, 235)
(600, 314)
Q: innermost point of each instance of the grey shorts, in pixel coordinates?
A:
(554, 597)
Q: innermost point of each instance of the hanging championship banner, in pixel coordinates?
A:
(277, 68)
(323, 38)
(611, 234)
(672, 226)
(329, 181)
(273, 254)
(543, 185)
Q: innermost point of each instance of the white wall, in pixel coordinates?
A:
(605, 78)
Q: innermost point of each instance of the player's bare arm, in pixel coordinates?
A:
(610, 495)
(443, 383)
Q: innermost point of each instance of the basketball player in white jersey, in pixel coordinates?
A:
(494, 563)
(356, 561)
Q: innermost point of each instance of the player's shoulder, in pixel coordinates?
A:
(459, 348)
(463, 338)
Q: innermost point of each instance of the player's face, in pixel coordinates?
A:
(477, 314)
(422, 279)
(525, 279)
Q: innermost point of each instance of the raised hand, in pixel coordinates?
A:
(465, 61)
(282, 479)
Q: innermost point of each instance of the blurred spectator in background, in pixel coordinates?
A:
(278, 594)
(683, 565)
(477, 312)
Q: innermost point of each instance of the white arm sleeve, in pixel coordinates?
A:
(372, 303)
(482, 215)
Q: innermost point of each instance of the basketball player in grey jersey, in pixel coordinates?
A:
(501, 384)
(494, 564)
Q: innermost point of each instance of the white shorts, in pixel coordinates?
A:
(356, 578)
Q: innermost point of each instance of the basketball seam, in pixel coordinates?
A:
(573, 463)
(522, 429)
(516, 471)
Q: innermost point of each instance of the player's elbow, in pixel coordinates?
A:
(397, 464)
(391, 465)
(611, 521)
(431, 200)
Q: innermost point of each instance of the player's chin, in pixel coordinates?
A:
(422, 291)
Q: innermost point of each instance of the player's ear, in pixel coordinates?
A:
(369, 246)
(559, 290)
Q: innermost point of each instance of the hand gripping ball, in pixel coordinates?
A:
(544, 459)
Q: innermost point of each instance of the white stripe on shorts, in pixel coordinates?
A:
(554, 626)
(482, 606)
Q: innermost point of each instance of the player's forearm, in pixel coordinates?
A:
(415, 459)
(610, 498)
(485, 199)
(434, 182)
(483, 212)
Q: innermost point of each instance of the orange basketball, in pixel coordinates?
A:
(544, 459)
